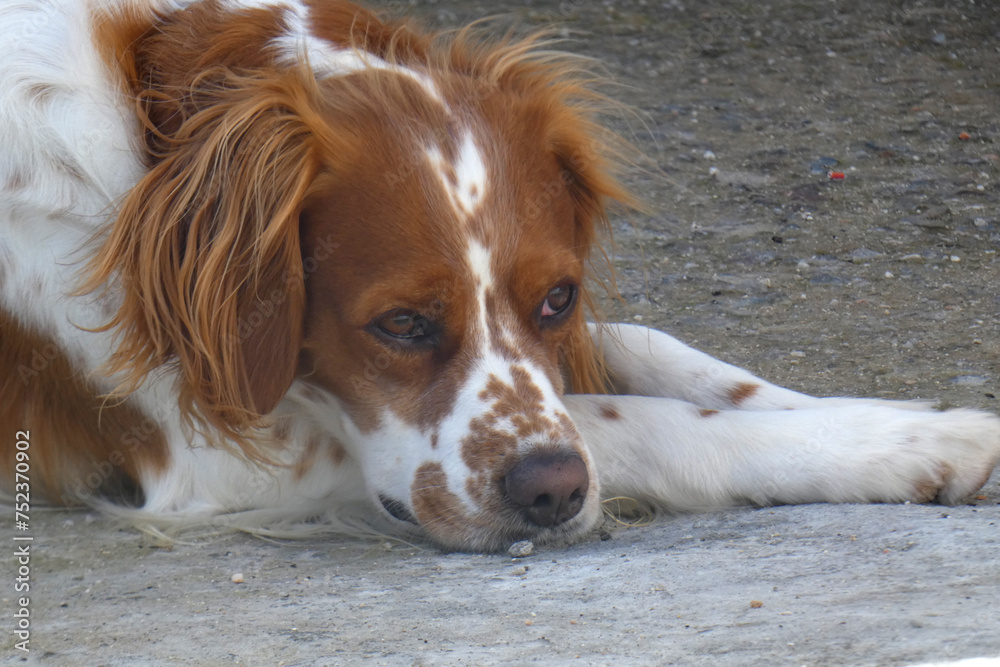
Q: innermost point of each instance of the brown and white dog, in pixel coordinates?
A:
(267, 262)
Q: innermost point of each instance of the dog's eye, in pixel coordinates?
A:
(404, 325)
(558, 303)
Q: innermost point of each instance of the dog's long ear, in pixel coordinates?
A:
(205, 251)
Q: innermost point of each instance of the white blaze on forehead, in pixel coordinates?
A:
(479, 264)
(326, 59)
(464, 181)
(470, 172)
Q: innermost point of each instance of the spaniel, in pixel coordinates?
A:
(274, 263)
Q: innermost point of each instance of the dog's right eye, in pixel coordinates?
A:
(405, 325)
(558, 304)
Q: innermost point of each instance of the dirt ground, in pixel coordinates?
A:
(883, 283)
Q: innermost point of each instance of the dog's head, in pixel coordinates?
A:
(398, 229)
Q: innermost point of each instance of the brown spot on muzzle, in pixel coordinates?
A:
(516, 414)
(521, 401)
(433, 503)
(492, 451)
(488, 445)
(442, 514)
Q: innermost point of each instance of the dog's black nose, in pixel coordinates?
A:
(548, 488)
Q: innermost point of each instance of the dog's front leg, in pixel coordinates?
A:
(646, 362)
(681, 456)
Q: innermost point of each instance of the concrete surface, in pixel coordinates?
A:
(840, 585)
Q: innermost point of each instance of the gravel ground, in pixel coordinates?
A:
(884, 284)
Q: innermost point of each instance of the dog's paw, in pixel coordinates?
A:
(945, 456)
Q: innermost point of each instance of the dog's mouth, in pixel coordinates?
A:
(545, 498)
(510, 529)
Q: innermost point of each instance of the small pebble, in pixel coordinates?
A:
(237, 578)
(521, 549)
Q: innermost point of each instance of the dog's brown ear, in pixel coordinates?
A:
(205, 254)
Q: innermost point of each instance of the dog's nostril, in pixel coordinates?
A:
(548, 488)
(397, 509)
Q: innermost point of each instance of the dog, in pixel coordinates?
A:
(278, 263)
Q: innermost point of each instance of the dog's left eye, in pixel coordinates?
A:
(405, 325)
(558, 302)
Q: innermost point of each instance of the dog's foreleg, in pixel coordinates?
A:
(646, 362)
(682, 456)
